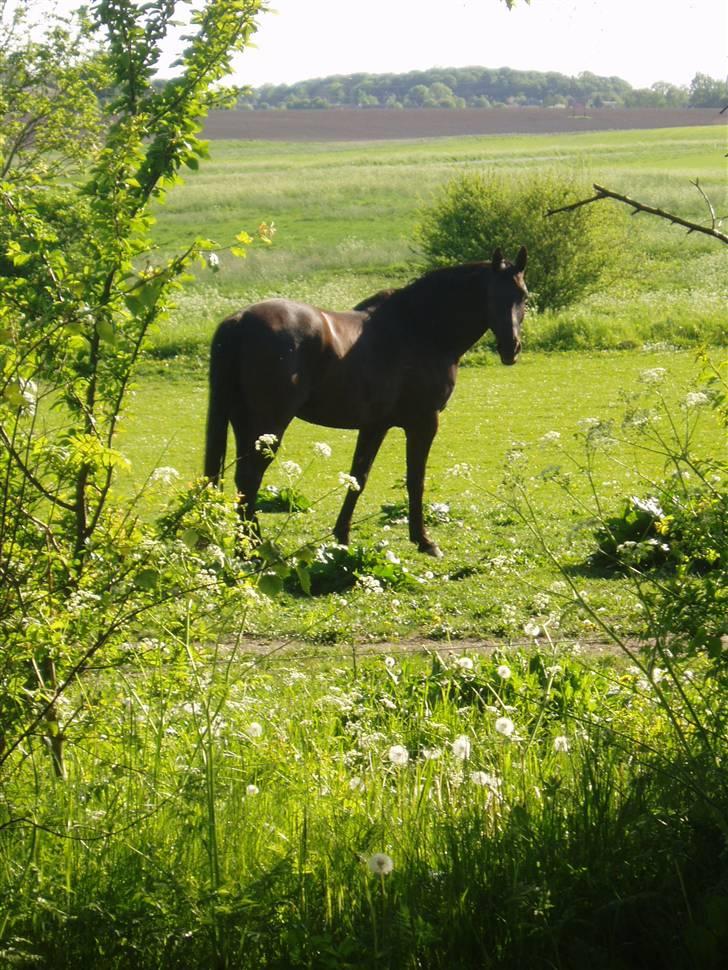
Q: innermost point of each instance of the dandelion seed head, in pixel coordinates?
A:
(504, 671)
(252, 790)
(505, 726)
(380, 864)
(461, 747)
(485, 780)
(398, 755)
(561, 744)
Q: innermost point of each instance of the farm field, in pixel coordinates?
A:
(362, 125)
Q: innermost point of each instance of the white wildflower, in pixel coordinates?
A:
(321, 449)
(291, 469)
(398, 755)
(561, 744)
(266, 442)
(213, 261)
(696, 399)
(380, 864)
(165, 474)
(349, 482)
(370, 584)
(461, 747)
(461, 470)
(654, 375)
(505, 726)
(650, 505)
(550, 437)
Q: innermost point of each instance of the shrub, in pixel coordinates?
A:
(568, 253)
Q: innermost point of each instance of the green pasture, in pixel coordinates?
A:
(345, 217)
(495, 575)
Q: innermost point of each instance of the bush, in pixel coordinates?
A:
(568, 253)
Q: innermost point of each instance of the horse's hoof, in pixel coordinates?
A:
(431, 549)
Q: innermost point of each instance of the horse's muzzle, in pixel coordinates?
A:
(511, 356)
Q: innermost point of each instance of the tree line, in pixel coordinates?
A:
(482, 87)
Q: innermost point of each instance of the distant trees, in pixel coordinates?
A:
(482, 87)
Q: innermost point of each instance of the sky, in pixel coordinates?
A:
(642, 41)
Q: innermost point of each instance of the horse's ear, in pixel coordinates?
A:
(521, 258)
(497, 259)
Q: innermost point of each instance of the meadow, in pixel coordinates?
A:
(511, 757)
(346, 217)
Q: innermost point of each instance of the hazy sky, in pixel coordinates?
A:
(642, 41)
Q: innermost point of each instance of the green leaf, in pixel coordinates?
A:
(191, 538)
(304, 577)
(146, 579)
(105, 330)
(270, 585)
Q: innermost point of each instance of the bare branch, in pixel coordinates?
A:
(604, 193)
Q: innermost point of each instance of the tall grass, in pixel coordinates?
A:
(218, 815)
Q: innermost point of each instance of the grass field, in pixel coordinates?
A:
(346, 213)
(494, 574)
(345, 216)
(225, 803)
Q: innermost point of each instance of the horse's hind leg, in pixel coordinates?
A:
(419, 440)
(367, 446)
(253, 457)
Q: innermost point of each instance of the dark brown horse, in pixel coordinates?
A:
(391, 364)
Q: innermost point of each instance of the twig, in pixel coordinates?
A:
(603, 193)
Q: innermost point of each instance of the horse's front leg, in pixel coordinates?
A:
(367, 446)
(419, 440)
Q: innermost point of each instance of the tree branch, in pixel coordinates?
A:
(603, 193)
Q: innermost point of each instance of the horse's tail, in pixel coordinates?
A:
(218, 410)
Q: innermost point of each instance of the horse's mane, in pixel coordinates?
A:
(413, 301)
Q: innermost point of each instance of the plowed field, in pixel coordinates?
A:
(366, 125)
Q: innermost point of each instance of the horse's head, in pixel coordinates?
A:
(507, 295)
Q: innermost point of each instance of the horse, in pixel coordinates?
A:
(392, 363)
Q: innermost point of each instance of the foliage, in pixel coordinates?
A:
(84, 290)
(477, 212)
(479, 87)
